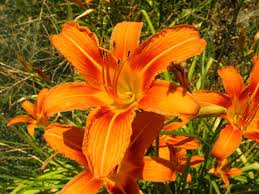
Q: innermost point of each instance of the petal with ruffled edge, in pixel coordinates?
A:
(74, 95)
(172, 45)
(227, 142)
(125, 39)
(80, 47)
(20, 119)
(232, 81)
(158, 170)
(107, 137)
(208, 98)
(166, 98)
(29, 108)
(81, 184)
(66, 140)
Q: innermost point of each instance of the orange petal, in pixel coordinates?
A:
(184, 119)
(66, 140)
(254, 75)
(183, 142)
(28, 107)
(158, 170)
(233, 172)
(125, 39)
(31, 129)
(106, 139)
(20, 119)
(196, 160)
(253, 135)
(74, 95)
(40, 101)
(122, 184)
(146, 127)
(171, 45)
(232, 81)
(207, 98)
(225, 179)
(81, 184)
(79, 46)
(227, 142)
(164, 153)
(166, 98)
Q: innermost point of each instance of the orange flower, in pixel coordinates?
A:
(120, 81)
(223, 171)
(68, 140)
(242, 104)
(172, 159)
(38, 118)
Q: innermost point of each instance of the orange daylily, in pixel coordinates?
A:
(118, 82)
(68, 140)
(38, 118)
(223, 171)
(242, 104)
(172, 159)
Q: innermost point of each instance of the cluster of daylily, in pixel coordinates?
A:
(130, 107)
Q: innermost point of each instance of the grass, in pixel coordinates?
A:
(28, 63)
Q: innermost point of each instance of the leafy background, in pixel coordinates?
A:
(28, 63)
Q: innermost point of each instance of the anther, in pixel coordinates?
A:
(128, 54)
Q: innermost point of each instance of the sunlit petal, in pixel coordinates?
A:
(165, 98)
(227, 142)
(106, 139)
(125, 39)
(74, 95)
(207, 98)
(28, 107)
(79, 46)
(31, 129)
(164, 171)
(171, 45)
(81, 184)
(232, 81)
(40, 101)
(20, 119)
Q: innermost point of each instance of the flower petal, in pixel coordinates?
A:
(74, 95)
(31, 129)
(122, 184)
(207, 98)
(146, 126)
(66, 140)
(81, 184)
(106, 139)
(166, 98)
(232, 81)
(20, 119)
(158, 170)
(233, 172)
(80, 47)
(125, 39)
(40, 101)
(183, 142)
(184, 119)
(227, 142)
(28, 107)
(254, 75)
(196, 160)
(171, 45)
